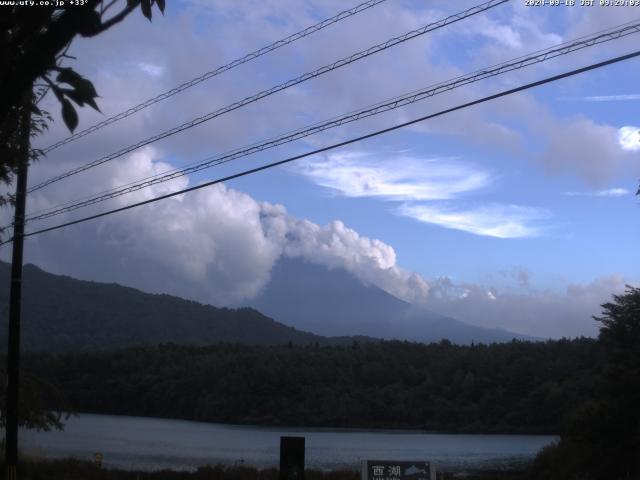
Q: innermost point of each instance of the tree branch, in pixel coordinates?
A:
(116, 18)
(107, 7)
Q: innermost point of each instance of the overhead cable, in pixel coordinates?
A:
(217, 71)
(282, 86)
(340, 144)
(397, 102)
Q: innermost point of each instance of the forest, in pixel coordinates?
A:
(586, 390)
(511, 387)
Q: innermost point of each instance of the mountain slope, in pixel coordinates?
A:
(61, 313)
(334, 302)
(322, 300)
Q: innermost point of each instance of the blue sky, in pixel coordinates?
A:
(528, 200)
(578, 217)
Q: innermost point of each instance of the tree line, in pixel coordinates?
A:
(513, 387)
(586, 390)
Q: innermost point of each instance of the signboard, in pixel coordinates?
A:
(98, 459)
(397, 470)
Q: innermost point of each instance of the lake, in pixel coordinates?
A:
(153, 443)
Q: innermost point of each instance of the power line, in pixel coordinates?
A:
(397, 102)
(341, 144)
(217, 71)
(620, 30)
(290, 83)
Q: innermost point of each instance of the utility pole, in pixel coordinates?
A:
(13, 357)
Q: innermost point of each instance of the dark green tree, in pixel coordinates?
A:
(43, 405)
(620, 338)
(601, 437)
(33, 43)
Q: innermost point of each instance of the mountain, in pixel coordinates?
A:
(334, 302)
(61, 313)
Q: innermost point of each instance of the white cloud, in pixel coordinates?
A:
(505, 34)
(412, 179)
(609, 98)
(216, 245)
(151, 69)
(566, 311)
(629, 138)
(582, 146)
(611, 192)
(397, 178)
(585, 21)
(512, 34)
(219, 245)
(501, 221)
(336, 246)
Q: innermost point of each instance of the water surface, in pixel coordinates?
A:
(153, 443)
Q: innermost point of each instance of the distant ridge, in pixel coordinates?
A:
(334, 302)
(61, 313)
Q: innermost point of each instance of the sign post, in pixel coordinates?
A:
(291, 458)
(397, 470)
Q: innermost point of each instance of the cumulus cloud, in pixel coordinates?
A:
(629, 138)
(501, 221)
(151, 69)
(406, 69)
(583, 146)
(336, 246)
(362, 174)
(416, 64)
(585, 21)
(217, 245)
(548, 313)
(505, 34)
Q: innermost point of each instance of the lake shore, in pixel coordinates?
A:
(148, 444)
(63, 469)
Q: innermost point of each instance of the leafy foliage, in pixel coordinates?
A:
(33, 43)
(601, 437)
(12, 141)
(42, 404)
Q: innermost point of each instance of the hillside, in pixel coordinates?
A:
(61, 313)
(64, 314)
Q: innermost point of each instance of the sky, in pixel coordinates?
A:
(519, 213)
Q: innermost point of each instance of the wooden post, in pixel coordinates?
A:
(15, 296)
(291, 458)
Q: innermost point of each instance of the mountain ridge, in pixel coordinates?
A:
(332, 301)
(61, 313)
(315, 305)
